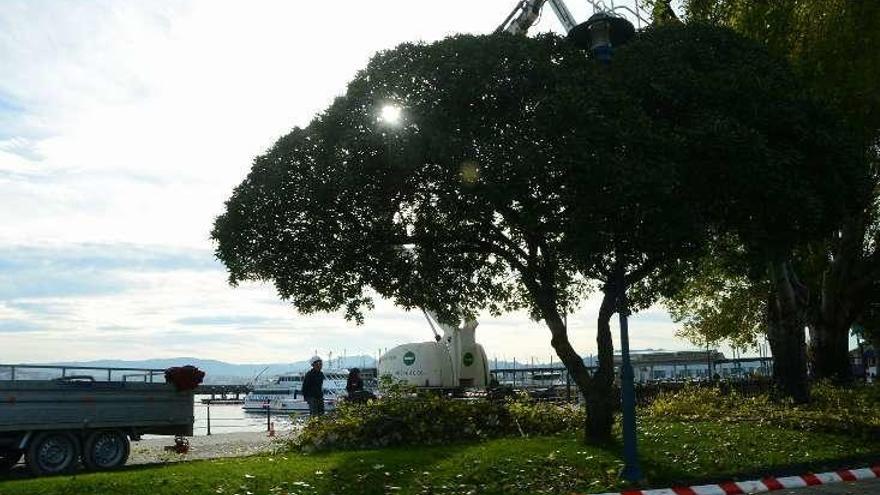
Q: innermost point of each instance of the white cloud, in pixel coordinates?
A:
(125, 301)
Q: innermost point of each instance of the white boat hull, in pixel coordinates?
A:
(284, 396)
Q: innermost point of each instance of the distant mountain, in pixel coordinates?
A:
(216, 372)
(220, 372)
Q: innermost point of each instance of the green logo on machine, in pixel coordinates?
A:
(468, 359)
(409, 358)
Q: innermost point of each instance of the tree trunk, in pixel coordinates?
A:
(785, 331)
(572, 361)
(597, 391)
(829, 351)
(601, 399)
(844, 293)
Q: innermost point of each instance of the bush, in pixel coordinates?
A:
(432, 420)
(851, 410)
(545, 418)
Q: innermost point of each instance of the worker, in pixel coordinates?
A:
(355, 384)
(313, 387)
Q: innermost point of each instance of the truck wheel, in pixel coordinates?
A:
(9, 458)
(52, 452)
(106, 449)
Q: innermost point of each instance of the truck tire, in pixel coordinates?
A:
(8, 458)
(52, 452)
(106, 449)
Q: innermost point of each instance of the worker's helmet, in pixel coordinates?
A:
(315, 359)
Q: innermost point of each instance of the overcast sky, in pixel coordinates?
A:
(123, 128)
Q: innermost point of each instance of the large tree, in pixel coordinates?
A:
(456, 207)
(832, 45)
(518, 172)
(772, 167)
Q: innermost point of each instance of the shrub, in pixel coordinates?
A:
(432, 420)
(545, 418)
(852, 410)
(688, 403)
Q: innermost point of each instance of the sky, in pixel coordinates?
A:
(124, 126)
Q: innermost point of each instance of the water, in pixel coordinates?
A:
(231, 418)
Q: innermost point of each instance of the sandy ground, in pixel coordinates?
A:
(204, 447)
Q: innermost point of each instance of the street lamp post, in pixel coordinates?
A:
(600, 34)
(631, 470)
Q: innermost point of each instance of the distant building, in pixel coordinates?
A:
(694, 365)
(863, 360)
(672, 365)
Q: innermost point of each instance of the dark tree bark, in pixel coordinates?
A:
(785, 332)
(579, 373)
(829, 351)
(845, 292)
(541, 289)
(601, 399)
(597, 390)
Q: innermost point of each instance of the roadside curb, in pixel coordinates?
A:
(763, 485)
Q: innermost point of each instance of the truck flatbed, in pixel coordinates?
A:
(145, 408)
(59, 423)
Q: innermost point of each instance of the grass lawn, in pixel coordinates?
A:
(671, 453)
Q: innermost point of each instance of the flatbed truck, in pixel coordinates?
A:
(57, 424)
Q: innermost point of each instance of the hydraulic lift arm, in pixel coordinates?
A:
(526, 13)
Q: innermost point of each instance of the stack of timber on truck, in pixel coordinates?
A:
(56, 424)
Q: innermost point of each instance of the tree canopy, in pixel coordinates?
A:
(519, 171)
(434, 210)
(512, 151)
(832, 46)
(767, 161)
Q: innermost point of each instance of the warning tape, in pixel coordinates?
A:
(763, 485)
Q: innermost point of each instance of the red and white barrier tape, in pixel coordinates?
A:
(764, 485)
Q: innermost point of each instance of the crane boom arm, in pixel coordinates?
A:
(527, 12)
(563, 14)
(522, 17)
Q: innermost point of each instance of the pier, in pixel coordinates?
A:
(228, 394)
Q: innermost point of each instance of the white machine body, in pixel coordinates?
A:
(455, 361)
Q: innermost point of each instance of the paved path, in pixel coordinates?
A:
(864, 487)
(204, 447)
(152, 450)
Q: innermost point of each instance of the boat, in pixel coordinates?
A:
(548, 378)
(284, 394)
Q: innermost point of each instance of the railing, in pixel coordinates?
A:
(250, 422)
(14, 372)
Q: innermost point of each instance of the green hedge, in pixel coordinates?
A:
(853, 410)
(432, 420)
